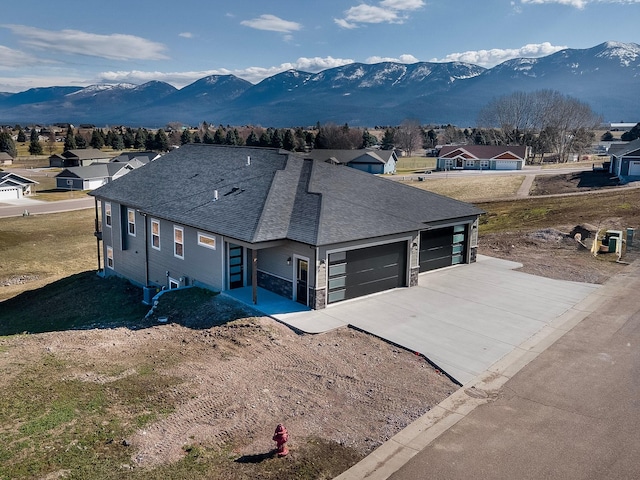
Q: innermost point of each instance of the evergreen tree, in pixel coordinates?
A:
(388, 142)
(185, 137)
(208, 138)
(196, 137)
(632, 134)
(70, 140)
(81, 142)
(141, 139)
(277, 139)
(111, 138)
(129, 138)
(97, 139)
(117, 142)
(22, 137)
(265, 138)
(368, 140)
(252, 140)
(607, 136)
(7, 144)
(220, 136)
(289, 141)
(35, 147)
(161, 141)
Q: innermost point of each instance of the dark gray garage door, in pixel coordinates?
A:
(442, 247)
(355, 273)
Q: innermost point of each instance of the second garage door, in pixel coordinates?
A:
(354, 273)
(442, 247)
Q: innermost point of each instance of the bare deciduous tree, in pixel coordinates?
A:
(409, 136)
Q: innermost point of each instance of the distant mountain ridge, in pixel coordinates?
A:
(606, 77)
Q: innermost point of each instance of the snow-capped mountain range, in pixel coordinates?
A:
(607, 77)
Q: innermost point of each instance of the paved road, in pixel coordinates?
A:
(35, 207)
(567, 410)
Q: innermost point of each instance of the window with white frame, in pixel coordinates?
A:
(470, 162)
(155, 234)
(107, 214)
(131, 222)
(448, 163)
(110, 257)
(178, 242)
(484, 163)
(206, 241)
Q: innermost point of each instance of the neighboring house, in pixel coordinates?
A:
(138, 158)
(625, 160)
(81, 157)
(481, 157)
(92, 176)
(14, 186)
(233, 217)
(367, 160)
(5, 158)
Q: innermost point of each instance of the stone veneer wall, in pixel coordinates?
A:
(277, 285)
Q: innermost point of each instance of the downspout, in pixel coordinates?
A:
(97, 232)
(146, 250)
(254, 275)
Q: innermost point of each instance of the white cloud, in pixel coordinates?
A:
(580, 4)
(251, 74)
(406, 58)
(272, 23)
(490, 58)
(387, 11)
(114, 47)
(186, 35)
(10, 58)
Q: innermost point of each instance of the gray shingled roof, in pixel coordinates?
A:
(621, 150)
(278, 196)
(346, 156)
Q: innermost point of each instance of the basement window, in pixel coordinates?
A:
(110, 257)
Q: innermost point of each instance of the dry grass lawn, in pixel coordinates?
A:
(471, 189)
(40, 249)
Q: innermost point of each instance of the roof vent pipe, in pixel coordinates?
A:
(248, 160)
(215, 195)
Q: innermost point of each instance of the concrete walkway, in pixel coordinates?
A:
(462, 319)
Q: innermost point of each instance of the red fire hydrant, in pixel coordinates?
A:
(281, 436)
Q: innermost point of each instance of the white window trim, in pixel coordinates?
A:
(175, 229)
(107, 216)
(109, 257)
(129, 222)
(206, 245)
(173, 281)
(153, 220)
(484, 163)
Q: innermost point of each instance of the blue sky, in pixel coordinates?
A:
(83, 42)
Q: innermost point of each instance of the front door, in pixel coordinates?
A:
(302, 281)
(236, 266)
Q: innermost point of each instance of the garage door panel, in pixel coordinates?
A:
(442, 247)
(368, 270)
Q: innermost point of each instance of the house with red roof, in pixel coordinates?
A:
(482, 157)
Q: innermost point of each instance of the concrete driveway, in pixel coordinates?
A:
(463, 318)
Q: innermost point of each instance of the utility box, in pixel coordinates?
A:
(630, 232)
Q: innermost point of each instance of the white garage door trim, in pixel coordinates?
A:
(9, 193)
(634, 168)
(506, 164)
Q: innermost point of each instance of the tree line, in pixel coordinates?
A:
(545, 120)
